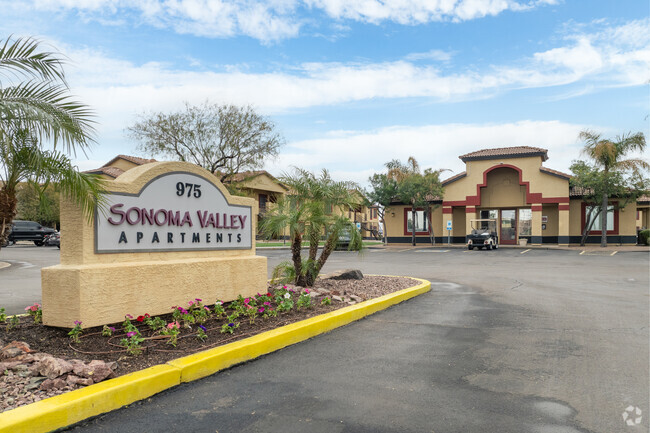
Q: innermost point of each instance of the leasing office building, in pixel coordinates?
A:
(529, 201)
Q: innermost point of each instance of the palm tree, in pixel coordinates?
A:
(308, 212)
(36, 109)
(609, 156)
(416, 188)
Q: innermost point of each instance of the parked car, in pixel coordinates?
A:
(29, 231)
(484, 234)
(53, 240)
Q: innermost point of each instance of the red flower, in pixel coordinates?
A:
(140, 319)
(147, 316)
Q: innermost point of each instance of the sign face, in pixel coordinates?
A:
(177, 211)
(544, 218)
(449, 225)
(358, 226)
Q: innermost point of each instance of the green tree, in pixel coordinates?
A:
(383, 191)
(416, 188)
(592, 182)
(224, 139)
(307, 212)
(609, 156)
(36, 110)
(36, 203)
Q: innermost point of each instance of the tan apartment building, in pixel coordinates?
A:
(529, 201)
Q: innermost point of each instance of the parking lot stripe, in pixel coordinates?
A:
(582, 252)
(613, 253)
(525, 251)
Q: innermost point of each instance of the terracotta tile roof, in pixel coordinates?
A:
(644, 199)
(454, 178)
(134, 159)
(113, 172)
(505, 152)
(554, 172)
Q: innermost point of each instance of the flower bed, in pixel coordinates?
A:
(142, 341)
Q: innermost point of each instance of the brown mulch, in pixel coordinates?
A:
(94, 346)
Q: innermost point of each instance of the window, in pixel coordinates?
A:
(421, 225)
(525, 222)
(598, 223)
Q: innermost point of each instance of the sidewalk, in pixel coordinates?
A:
(588, 248)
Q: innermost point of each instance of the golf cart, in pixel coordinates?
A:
(484, 234)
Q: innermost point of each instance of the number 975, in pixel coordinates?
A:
(192, 189)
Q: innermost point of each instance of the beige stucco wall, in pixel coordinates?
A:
(503, 189)
(540, 182)
(101, 288)
(552, 226)
(123, 164)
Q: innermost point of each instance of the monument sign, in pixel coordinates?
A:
(170, 232)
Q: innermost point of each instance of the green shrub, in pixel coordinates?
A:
(643, 237)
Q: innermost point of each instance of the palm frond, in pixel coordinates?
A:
(22, 57)
(48, 112)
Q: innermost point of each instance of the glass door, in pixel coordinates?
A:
(508, 227)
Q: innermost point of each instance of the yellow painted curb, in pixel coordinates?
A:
(66, 409)
(209, 362)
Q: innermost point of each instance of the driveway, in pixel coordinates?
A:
(506, 341)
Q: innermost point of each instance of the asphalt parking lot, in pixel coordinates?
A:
(549, 341)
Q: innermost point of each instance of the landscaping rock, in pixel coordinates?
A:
(95, 370)
(356, 298)
(347, 274)
(54, 367)
(73, 380)
(337, 298)
(51, 384)
(10, 352)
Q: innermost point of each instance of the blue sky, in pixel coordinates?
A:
(352, 84)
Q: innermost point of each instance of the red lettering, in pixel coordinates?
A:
(186, 219)
(174, 218)
(210, 220)
(128, 215)
(148, 217)
(242, 220)
(115, 209)
(164, 214)
(202, 217)
(233, 222)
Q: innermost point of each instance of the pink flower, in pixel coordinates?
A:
(173, 325)
(246, 301)
(131, 334)
(206, 307)
(267, 303)
(307, 291)
(191, 303)
(261, 310)
(77, 322)
(198, 300)
(284, 287)
(128, 316)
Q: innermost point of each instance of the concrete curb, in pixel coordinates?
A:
(67, 409)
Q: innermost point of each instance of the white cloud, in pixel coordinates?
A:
(357, 155)
(272, 20)
(436, 55)
(118, 88)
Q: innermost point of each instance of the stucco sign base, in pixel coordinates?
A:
(100, 294)
(169, 232)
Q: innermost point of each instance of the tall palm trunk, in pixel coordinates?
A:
(8, 203)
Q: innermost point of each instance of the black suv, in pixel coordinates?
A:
(29, 231)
